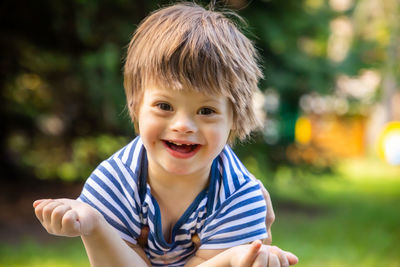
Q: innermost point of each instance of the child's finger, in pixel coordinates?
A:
(39, 208)
(251, 253)
(57, 215)
(273, 260)
(37, 202)
(291, 258)
(284, 262)
(48, 210)
(261, 260)
(70, 224)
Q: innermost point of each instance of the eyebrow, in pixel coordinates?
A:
(205, 99)
(211, 100)
(161, 94)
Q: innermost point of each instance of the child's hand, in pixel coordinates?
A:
(67, 217)
(258, 255)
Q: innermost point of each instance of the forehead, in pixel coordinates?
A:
(192, 95)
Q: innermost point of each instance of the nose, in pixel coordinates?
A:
(183, 123)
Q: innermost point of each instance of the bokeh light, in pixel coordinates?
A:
(389, 143)
(303, 130)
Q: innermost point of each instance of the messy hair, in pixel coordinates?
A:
(186, 46)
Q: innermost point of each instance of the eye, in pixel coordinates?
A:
(206, 111)
(164, 106)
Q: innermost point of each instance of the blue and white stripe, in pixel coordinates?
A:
(230, 212)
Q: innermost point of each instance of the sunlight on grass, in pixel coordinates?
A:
(357, 177)
(346, 218)
(369, 168)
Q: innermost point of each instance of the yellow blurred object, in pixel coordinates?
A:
(389, 143)
(338, 136)
(320, 139)
(303, 130)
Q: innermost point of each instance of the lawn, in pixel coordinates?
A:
(58, 253)
(351, 218)
(348, 218)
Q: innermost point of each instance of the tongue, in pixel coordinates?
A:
(181, 148)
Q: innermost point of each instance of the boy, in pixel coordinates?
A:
(177, 194)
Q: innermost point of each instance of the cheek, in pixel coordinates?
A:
(219, 134)
(149, 128)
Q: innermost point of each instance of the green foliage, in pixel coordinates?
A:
(51, 158)
(86, 153)
(61, 70)
(63, 92)
(281, 31)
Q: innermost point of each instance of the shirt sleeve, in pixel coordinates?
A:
(112, 189)
(239, 220)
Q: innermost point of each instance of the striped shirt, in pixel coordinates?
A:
(231, 211)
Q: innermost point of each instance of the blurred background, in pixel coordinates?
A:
(329, 153)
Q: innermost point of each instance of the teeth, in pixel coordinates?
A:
(178, 144)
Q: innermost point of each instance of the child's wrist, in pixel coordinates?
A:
(98, 224)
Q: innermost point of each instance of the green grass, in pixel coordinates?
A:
(65, 252)
(349, 218)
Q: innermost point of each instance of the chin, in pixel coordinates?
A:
(179, 171)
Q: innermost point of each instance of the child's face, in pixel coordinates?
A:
(183, 131)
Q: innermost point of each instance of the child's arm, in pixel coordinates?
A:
(270, 218)
(66, 217)
(254, 254)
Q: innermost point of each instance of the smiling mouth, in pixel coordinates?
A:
(181, 148)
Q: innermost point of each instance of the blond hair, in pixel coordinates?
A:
(186, 46)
